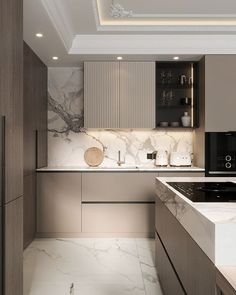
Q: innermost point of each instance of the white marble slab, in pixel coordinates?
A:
(121, 168)
(90, 266)
(211, 225)
(68, 139)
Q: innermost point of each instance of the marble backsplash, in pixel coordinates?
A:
(68, 140)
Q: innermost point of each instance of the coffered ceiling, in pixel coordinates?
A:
(76, 30)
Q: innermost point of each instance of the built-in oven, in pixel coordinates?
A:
(220, 153)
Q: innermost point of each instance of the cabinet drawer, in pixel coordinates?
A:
(118, 218)
(118, 187)
(169, 281)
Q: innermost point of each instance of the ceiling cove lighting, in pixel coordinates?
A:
(119, 58)
(39, 35)
(176, 58)
(55, 57)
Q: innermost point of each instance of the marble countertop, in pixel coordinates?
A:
(211, 225)
(147, 168)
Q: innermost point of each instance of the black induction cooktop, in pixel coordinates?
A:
(206, 191)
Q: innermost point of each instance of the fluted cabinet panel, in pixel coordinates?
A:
(137, 95)
(101, 104)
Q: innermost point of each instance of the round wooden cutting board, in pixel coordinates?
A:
(93, 156)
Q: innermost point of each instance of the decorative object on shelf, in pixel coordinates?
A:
(94, 156)
(167, 97)
(161, 158)
(186, 120)
(182, 80)
(186, 101)
(174, 124)
(164, 124)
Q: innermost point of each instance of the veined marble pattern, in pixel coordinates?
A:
(68, 140)
(90, 267)
(211, 225)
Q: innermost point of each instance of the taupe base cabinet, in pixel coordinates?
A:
(179, 257)
(58, 203)
(77, 204)
(92, 204)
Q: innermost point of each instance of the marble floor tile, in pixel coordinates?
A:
(93, 266)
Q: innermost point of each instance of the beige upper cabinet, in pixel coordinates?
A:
(101, 92)
(119, 94)
(220, 93)
(137, 95)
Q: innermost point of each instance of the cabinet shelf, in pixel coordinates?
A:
(174, 91)
(174, 106)
(175, 86)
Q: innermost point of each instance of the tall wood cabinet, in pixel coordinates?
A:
(11, 106)
(219, 86)
(35, 134)
(119, 94)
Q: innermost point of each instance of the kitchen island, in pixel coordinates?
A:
(196, 237)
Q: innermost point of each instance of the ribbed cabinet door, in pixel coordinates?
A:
(101, 102)
(137, 95)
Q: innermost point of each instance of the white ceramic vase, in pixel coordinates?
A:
(186, 120)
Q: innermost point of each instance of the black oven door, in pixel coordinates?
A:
(220, 155)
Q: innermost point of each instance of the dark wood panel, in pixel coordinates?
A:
(169, 281)
(29, 209)
(13, 262)
(35, 112)
(223, 286)
(195, 270)
(11, 105)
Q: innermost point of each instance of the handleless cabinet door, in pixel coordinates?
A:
(220, 83)
(137, 95)
(58, 203)
(11, 97)
(13, 253)
(101, 94)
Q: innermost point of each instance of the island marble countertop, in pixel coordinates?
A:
(211, 225)
(144, 168)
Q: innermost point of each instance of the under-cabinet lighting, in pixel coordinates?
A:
(176, 58)
(119, 58)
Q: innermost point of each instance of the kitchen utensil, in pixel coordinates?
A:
(161, 158)
(179, 159)
(93, 156)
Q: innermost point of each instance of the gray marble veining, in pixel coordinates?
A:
(211, 225)
(68, 140)
(90, 266)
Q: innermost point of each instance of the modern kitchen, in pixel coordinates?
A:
(118, 147)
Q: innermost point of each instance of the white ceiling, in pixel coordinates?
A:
(78, 30)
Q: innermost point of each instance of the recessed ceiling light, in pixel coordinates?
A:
(55, 57)
(176, 57)
(39, 35)
(119, 58)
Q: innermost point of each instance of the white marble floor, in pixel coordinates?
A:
(90, 267)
